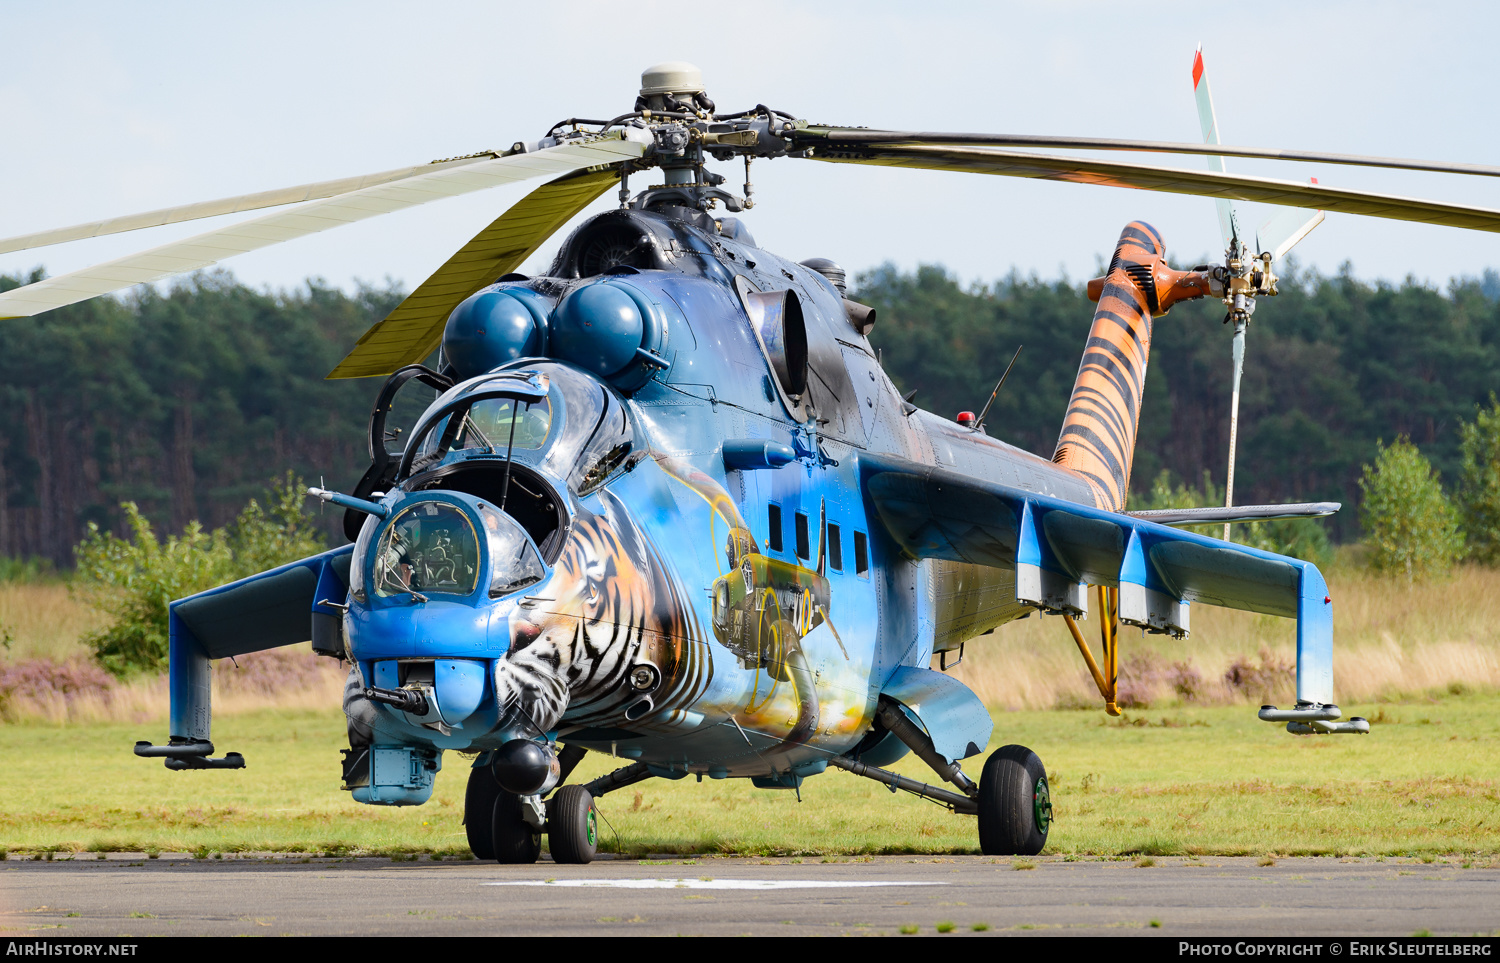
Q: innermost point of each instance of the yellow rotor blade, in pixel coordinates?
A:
(411, 332)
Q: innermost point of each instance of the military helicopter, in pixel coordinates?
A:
(668, 506)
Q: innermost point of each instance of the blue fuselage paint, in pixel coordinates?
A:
(557, 654)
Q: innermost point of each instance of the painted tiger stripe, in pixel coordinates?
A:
(1095, 397)
(1134, 302)
(1117, 437)
(1116, 440)
(1131, 363)
(1123, 377)
(1085, 434)
(1125, 391)
(1103, 415)
(1125, 326)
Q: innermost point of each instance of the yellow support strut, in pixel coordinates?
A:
(1109, 627)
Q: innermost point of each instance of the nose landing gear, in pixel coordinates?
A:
(508, 828)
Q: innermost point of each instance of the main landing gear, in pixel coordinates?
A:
(1015, 805)
(1012, 800)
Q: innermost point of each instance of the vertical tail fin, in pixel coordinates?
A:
(1098, 434)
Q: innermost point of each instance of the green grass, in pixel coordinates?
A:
(1180, 781)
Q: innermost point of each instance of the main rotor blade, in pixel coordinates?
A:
(858, 136)
(202, 250)
(411, 332)
(1169, 180)
(228, 205)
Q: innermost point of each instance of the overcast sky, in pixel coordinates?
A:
(115, 108)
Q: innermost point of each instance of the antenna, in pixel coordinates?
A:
(979, 424)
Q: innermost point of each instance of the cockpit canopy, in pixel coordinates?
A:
(546, 415)
(432, 548)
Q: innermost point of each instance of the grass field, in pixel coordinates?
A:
(1192, 777)
(1186, 780)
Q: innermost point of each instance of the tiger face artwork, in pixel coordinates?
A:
(611, 608)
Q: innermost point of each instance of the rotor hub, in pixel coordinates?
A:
(675, 86)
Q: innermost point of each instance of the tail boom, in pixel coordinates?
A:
(1098, 433)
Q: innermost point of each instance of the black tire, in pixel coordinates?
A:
(479, 811)
(513, 838)
(1015, 804)
(572, 826)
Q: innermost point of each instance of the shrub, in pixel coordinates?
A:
(270, 672)
(1260, 682)
(1478, 495)
(1409, 524)
(133, 579)
(38, 679)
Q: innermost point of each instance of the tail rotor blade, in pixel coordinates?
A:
(1234, 414)
(1229, 223)
(1285, 229)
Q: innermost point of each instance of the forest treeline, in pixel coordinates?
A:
(187, 402)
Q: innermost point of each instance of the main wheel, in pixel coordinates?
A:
(513, 838)
(1015, 806)
(572, 826)
(479, 811)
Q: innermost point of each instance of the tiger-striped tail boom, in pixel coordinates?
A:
(1098, 434)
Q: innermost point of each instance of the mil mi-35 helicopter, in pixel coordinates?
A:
(668, 506)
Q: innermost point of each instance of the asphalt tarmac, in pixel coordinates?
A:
(130, 895)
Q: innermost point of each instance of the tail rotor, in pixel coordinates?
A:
(1244, 276)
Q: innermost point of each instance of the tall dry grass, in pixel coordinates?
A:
(43, 620)
(1390, 640)
(78, 693)
(46, 675)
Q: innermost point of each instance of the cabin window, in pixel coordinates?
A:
(803, 551)
(773, 518)
(861, 554)
(835, 549)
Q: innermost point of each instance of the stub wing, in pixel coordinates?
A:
(1057, 548)
(283, 606)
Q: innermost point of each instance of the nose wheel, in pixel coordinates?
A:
(497, 825)
(494, 821)
(1015, 804)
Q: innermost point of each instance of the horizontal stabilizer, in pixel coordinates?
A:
(1237, 513)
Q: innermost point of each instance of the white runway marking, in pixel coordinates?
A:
(712, 883)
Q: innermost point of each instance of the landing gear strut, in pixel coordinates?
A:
(1012, 800)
